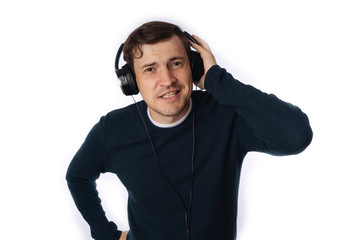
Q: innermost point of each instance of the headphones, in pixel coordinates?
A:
(128, 80)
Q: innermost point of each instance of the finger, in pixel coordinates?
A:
(201, 42)
(197, 47)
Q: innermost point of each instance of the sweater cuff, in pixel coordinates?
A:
(211, 76)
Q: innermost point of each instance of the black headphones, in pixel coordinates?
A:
(128, 80)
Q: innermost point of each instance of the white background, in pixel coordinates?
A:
(57, 79)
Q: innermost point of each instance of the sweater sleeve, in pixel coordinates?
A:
(81, 175)
(277, 127)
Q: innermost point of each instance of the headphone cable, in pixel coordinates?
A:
(187, 215)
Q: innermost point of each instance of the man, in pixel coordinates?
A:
(179, 152)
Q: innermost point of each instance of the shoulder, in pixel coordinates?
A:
(202, 99)
(121, 114)
(208, 109)
(123, 121)
(205, 102)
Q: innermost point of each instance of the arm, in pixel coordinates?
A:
(83, 170)
(277, 127)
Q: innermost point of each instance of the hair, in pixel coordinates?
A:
(151, 33)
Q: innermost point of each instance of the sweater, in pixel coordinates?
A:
(230, 120)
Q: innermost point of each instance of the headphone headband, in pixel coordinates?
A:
(118, 54)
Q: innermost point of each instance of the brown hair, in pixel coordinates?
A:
(151, 33)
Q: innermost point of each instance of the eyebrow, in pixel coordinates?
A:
(146, 65)
(176, 58)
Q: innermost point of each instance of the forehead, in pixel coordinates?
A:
(163, 50)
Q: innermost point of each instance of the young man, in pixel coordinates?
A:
(179, 152)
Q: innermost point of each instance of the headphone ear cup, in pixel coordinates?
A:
(197, 66)
(127, 80)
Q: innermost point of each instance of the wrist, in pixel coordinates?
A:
(124, 235)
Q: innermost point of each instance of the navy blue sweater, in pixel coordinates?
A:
(231, 119)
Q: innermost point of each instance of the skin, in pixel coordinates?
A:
(164, 69)
(124, 235)
(207, 56)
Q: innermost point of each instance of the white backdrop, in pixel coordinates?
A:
(57, 79)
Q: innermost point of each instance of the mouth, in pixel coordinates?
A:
(170, 94)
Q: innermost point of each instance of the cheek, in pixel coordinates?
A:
(146, 88)
(185, 77)
(189, 75)
(189, 81)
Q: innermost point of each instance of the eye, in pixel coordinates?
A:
(175, 64)
(149, 69)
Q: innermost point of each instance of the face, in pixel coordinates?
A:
(164, 79)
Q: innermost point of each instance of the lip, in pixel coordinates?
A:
(177, 91)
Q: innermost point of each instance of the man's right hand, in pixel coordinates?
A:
(124, 235)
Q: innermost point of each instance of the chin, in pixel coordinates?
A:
(172, 111)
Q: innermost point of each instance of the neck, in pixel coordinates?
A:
(171, 122)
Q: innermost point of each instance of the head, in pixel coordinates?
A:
(150, 33)
(158, 54)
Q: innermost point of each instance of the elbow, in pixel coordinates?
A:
(294, 142)
(306, 135)
(304, 140)
(300, 136)
(69, 175)
(299, 140)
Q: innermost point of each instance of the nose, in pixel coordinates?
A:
(167, 78)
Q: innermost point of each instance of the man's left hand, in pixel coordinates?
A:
(207, 56)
